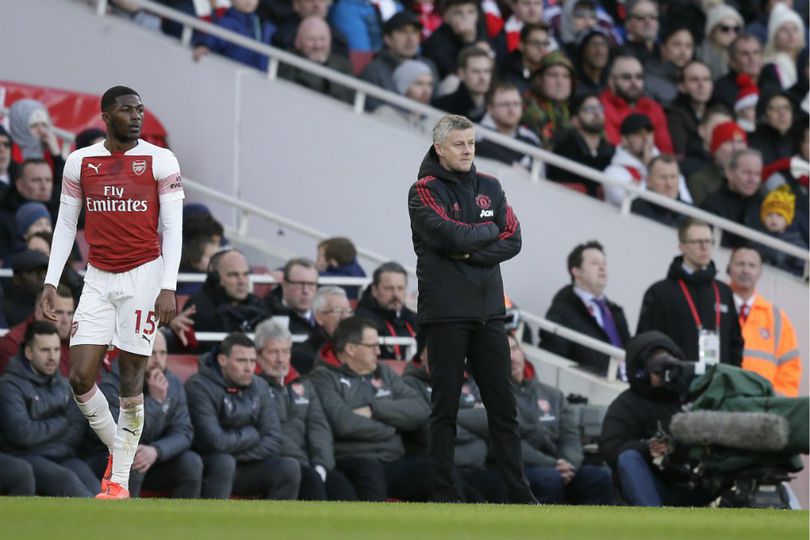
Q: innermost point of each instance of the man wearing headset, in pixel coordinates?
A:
(225, 303)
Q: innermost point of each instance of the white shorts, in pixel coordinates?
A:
(119, 309)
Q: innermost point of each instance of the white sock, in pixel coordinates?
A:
(95, 408)
(130, 425)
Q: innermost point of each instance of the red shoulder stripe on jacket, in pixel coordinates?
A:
(427, 199)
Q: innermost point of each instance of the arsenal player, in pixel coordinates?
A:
(127, 186)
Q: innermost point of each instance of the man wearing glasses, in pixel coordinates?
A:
(329, 307)
(294, 297)
(642, 29)
(625, 95)
(369, 407)
(690, 306)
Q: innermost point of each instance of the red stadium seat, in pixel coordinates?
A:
(181, 300)
(576, 186)
(182, 365)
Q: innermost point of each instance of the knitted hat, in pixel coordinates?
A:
(555, 58)
(726, 131)
(780, 15)
(407, 72)
(28, 213)
(779, 201)
(718, 13)
(748, 94)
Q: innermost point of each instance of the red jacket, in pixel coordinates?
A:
(616, 109)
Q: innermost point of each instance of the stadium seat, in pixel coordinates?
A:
(181, 300)
(182, 365)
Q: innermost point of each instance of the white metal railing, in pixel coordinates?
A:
(408, 342)
(363, 89)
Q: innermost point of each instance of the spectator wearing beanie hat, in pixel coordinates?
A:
(777, 213)
(727, 137)
(745, 108)
(786, 39)
(413, 79)
(775, 114)
(545, 110)
(32, 217)
(723, 24)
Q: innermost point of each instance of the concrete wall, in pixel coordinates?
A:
(313, 160)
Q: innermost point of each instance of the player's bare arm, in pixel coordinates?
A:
(165, 307)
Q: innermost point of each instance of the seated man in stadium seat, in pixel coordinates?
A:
(284, 37)
(63, 307)
(236, 428)
(39, 421)
(306, 433)
(552, 450)
(368, 406)
(504, 112)
(313, 42)
(629, 441)
(337, 257)
(663, 177)
(475, 482)
(164, 460)
(329, 307)
(582, 306)
(240, 18)
(384, 304)
(293, 299)
(475, 67)
(225, 303)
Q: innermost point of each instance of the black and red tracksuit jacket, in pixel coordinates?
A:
(462, 229)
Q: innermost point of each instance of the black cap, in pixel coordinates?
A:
(635, 122)
(401, 19)
(29, 260)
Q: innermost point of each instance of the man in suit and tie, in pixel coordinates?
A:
(582, 306)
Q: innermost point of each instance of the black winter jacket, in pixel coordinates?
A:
(463, 228)
(665, 308)
(569, 310)
(167, 425)
(389, 323)
(37, 413)
(229, 419)
(633, 418)
(307, 436)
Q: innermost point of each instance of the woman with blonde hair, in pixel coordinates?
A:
(785, 41)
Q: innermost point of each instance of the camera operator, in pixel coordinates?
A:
(634, 438)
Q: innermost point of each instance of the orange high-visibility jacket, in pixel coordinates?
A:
(770, 347)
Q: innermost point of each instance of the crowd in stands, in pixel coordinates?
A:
(704, 103)
(612, 85)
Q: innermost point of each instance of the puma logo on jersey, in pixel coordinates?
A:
(487, 213)
(94, 167)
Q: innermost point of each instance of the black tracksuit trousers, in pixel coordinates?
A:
(486, 350)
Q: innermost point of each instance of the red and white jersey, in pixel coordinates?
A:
(121, 194)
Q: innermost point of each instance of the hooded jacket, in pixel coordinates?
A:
(37, 413)
(230, 419)
(470, 448)
(307, 437)
(395, 407)
(167, 424)
(666, 309)
(569, 310)
(634, 417)
(547, 426)
(462, 229)
(389, 322)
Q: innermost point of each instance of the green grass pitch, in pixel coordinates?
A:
(158, 519)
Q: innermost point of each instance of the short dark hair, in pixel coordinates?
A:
(202, 225)
(682, 71)
(193, 250)
(447, 4)
(109, 97)
(297, 261)
(340, 249)
(28, 162)
(528, 28)
(235, 339)
(350, 330)
(575, 257)
(622, 54)
(39, 328)
(63, 291)
(470, 52)
(687, 224)
(501, 86)
(392, 267)
(745, 245)
(660, 158)
(744, 36)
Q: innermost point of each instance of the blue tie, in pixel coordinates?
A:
(608, 324)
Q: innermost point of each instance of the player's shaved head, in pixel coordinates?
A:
(109, 97)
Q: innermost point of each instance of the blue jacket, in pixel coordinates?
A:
(360, 22)
(247, 24)
(353, 269)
